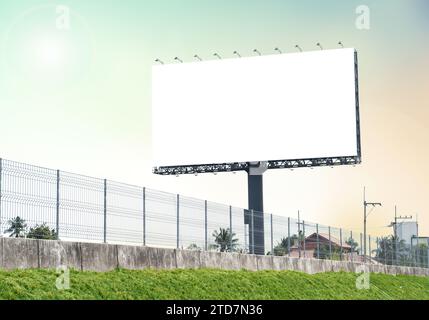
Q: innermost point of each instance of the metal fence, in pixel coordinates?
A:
(81, 208)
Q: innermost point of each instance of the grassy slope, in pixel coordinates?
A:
(208, 284)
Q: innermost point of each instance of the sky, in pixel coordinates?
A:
(76, 95)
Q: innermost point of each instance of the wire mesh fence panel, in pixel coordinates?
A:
(28, 192)
(296, 238)
(192, 223)
(124, 210)
(267, 233)
(325, 244)
(371, 248)
(311, 240)
(240, 229)
(81, 207)
(349, 246)
(336, 250)
(218, 224)
(280, 236)
(162, 219)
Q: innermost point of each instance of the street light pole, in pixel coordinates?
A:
(365, 216)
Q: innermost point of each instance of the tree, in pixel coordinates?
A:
(282, 247)
(225, 240)
(392, 251)
(353, 245)
(42, 232)
(419, 255)
(17, 227)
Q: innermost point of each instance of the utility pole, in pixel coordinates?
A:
(365, 216)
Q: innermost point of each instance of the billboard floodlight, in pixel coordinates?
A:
(217, 55)
(178, 59)
(278, 50)
(257, 52)
(237, 54)
(319, 45)
(341, 44)
(196, 56)
(298, 47)
(159, 61)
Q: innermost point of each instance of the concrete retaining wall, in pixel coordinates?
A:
(28, 254)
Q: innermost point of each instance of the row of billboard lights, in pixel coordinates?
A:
(196, 56)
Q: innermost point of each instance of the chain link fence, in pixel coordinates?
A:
(80, 208)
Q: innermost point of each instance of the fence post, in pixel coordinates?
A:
(144, 216)
(288, 236)
(205, 226)
(253, 232)
(317, 235)
(299, 236)
(58, 206)
(417, 253)
(303, 236)
(230, 228)
(341, 244)
(272, 241)
(105, 212)
(360, 245)
(385, 251)
(351, 246)
(378, 250)
(178, 221)
(330, 243)
(1, 174)
(369, 247)
(427, 258)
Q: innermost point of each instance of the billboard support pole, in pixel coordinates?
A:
(256, 203)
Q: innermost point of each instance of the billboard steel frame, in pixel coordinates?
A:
(244, 166)
(255, 181)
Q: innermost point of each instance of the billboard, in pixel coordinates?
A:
(285, 106)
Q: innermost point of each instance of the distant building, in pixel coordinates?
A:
(313, 241)
(406, 230)
(311, 244)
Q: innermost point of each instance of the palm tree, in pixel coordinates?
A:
(17, 227)
(391, 250)
(353, 245)
(225, 240)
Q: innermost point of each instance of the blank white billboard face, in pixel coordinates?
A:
(276, 107)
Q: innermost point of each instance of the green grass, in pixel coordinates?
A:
(208, 284)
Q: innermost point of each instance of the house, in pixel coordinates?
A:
(308, 248)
